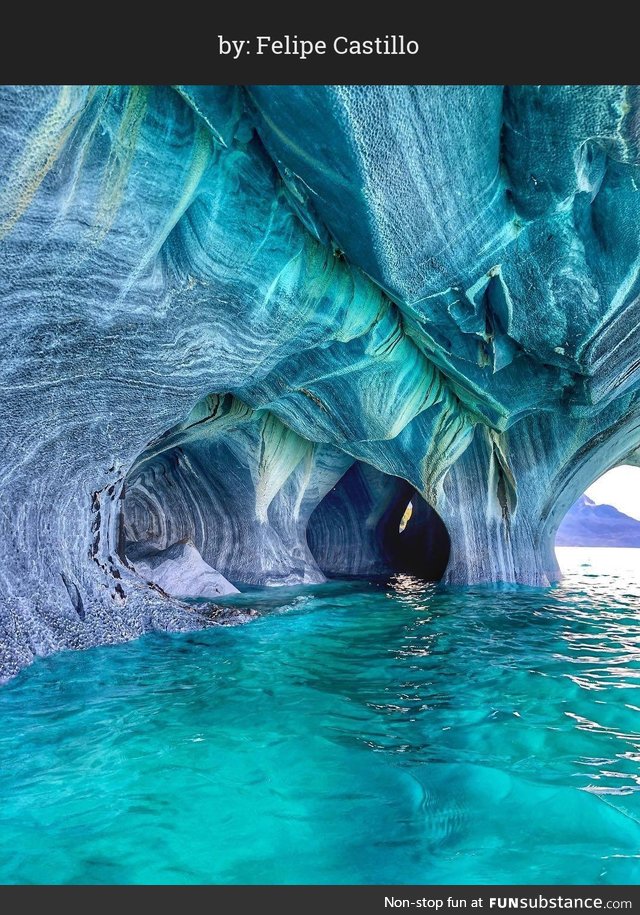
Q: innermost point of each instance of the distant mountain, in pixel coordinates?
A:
(588, 524)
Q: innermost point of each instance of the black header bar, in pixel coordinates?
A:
(420, 44)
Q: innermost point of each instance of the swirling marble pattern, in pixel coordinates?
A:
(218, 301)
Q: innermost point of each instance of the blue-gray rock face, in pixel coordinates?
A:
(179, 571)
(261, 320)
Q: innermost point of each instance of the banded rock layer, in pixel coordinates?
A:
(245, 327)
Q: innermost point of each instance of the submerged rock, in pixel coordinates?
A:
(180, 571)
(238, 316)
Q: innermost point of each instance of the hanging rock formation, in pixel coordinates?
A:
(244, 327)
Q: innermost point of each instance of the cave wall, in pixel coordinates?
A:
(240, 486)
(440, 283)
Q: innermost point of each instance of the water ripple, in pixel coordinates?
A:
(358, 732)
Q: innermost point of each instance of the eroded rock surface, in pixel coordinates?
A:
(225, 307)
(179, 571)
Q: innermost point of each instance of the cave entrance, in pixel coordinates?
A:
(373, 524)
(606, 516)
(231, 497)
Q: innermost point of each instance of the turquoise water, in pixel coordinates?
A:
(356, 733)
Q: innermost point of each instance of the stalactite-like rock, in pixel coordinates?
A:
(255, 321)
(237, 483)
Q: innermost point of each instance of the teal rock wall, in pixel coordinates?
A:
(260, 320)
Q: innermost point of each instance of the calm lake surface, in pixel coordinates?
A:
(356, 733)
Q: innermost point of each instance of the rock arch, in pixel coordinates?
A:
(412, 278)
(355, 529)
(263, 506)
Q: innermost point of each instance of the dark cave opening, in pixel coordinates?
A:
(232, 498)
(180, 510)
(363, 528)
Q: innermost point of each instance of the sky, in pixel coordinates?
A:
(619, 487)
